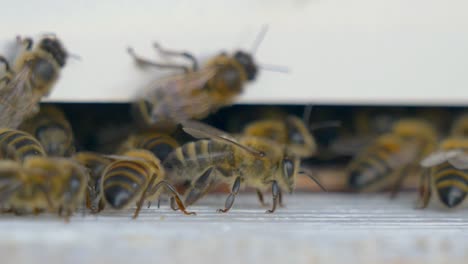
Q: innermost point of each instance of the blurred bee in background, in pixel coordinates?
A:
(198, 91)
(251, 161)
(95, 163)
(42, 183)
(392, 157)
(460, 126)
(52, 129)
(159, 144)
(136, 176)
(19, 145)
(446, 174)
(32, 76)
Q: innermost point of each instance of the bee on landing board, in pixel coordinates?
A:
(392, 157)
(219, 158)
(30, 77)
(52, 129)
(197, 91)
(445, 174)
(41, 183)
(134, 177)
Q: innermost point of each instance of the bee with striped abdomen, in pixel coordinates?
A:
(134, 177)
(31, 76)
(250, 161)
(52, 129)
(96, 163)
(392, 157)
(19, 145)
(446, 174)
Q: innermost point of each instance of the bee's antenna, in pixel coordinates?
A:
(274, 68)
(259, 39)
(74, 56)
(307, 114)
(311, 176)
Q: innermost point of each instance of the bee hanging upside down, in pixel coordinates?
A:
(197, 91)
(31, 76)
(250, 161)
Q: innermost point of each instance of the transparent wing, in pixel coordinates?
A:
(459, 160)
(181, 97)
(17, 100)
(439, 157)
(200, 131)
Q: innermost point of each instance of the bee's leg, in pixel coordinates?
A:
(175, 195)
(145, 62)
(424, 190)
(27, 43)
(187, 55)
(401, 175)
(173, 204)
(260, 198)
(143, 197)
(280, 198)
(200, 187)
(275, 190)
(232, 196)
(6, 63)
(148, 204)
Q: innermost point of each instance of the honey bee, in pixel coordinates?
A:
(158, 143)
(446, 173)
(42, 183)
(19, 145)
(32, 75)
(135, 177)
(460, 127)
(392, 156)
(52, 129)
(198, 91)
(250, 161)
(96, 163)
(291, 132)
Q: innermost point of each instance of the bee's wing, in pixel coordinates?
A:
(181, 97)
(459, 160)
(439, 157)
(200, 131)
(17, 100)
(122, 157)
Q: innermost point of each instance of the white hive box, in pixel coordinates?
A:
(364, 51)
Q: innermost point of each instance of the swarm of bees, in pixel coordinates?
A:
(44, 169)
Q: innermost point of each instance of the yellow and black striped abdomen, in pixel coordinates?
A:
(451, 184)
(22, 143)
(123, 181)
(160, 145)
(370, 171)
(192, 159)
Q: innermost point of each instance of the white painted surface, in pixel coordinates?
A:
(312, 228)
(363, 51)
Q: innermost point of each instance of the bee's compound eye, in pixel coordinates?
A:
(247, 63)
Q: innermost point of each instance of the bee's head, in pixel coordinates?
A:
(247, 62)
(54, 47)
